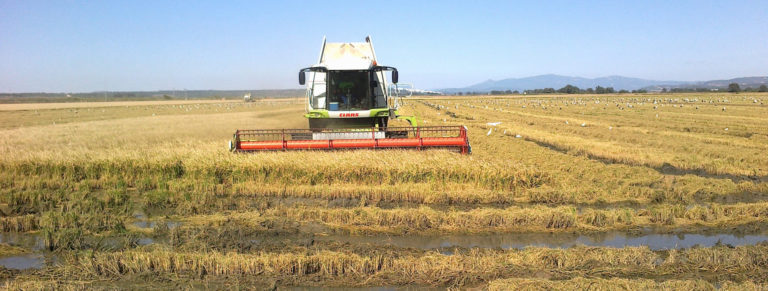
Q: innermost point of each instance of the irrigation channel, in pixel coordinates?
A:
(443, 243)
(654, 241)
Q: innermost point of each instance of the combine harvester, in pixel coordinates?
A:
(349, 105)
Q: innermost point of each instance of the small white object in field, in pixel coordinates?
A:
(489, 131)
(584, 124)
(518, 136)
(566, 122)
(726, 129)
(494, 123)
(723, 108)
(610, 128)
(657, 115)
(505, 132)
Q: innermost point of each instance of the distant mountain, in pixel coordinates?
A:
(617, 82)
(558, 81)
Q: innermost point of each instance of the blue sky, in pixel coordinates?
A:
(82, 46)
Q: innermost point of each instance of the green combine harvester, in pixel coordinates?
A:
(350, 103)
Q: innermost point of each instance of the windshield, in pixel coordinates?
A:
(349, 90)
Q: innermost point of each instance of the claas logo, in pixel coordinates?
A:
(349, 114)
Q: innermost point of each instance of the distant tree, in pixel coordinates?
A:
(733, 87)
(590, 90)
(166, 97)
(663, 90)
(460, 94)
(622, 91)
(762, 88)
(599, 90)
(518, 92)
(610, 90)
(569, 89)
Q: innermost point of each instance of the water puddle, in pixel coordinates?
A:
(23, 262)
(153, 224)
(555, 240)
(146, 241)
(24, 240)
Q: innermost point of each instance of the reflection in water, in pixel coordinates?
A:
(25, 240)
(152, 224)
(22, 262)
(555, 240)
(145, 241)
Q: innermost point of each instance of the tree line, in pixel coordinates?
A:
(571, 89)
(567, 89)
(734, 87)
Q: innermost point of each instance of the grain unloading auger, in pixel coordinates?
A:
(349, 106)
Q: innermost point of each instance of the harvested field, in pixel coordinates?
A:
(147, 194)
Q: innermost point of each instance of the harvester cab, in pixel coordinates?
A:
(350, 104)
(348, 89)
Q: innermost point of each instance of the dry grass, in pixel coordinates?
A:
(9, 250)
(694, 159)
(685, 132)
(464, 268)
(20, 223)
(81, 179)
(617, 284)
(426, 220)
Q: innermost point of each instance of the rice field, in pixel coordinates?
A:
(147, 195)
